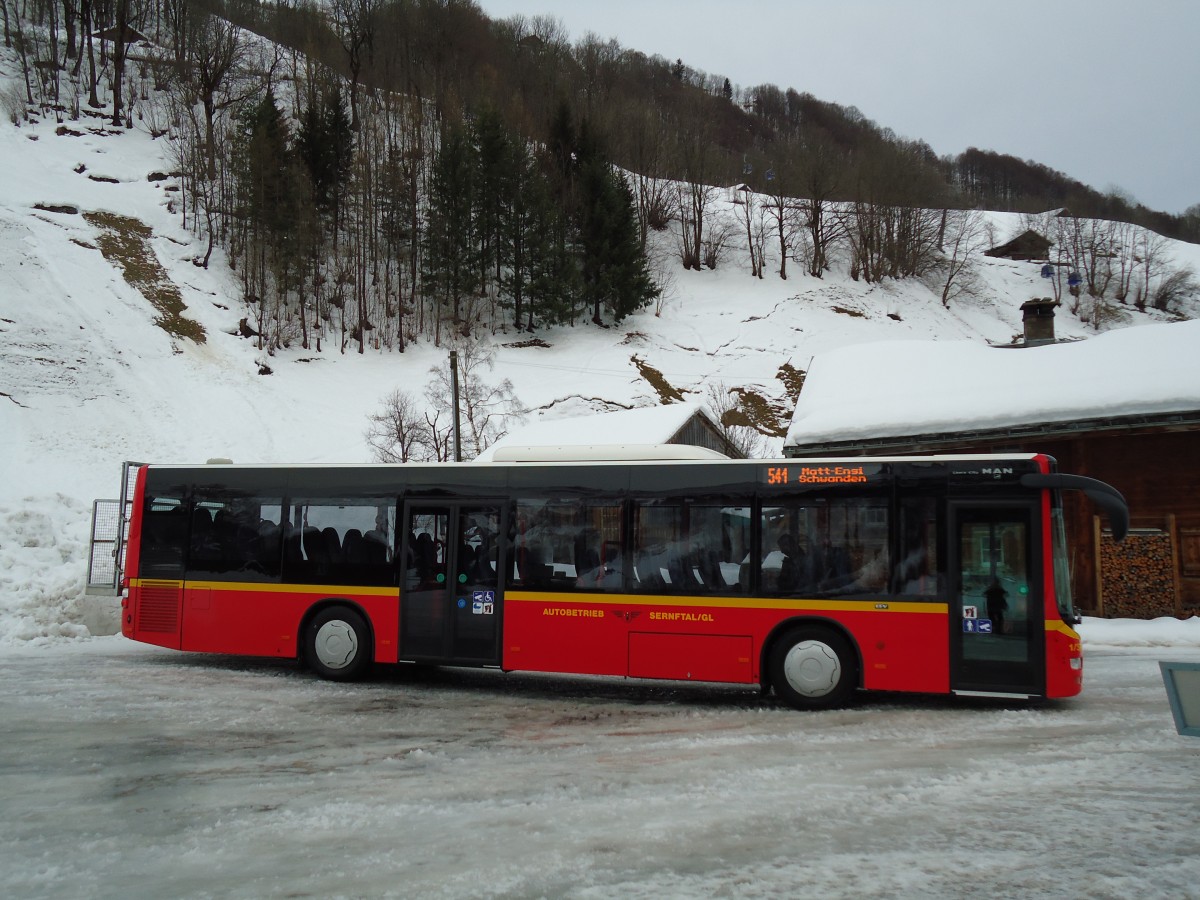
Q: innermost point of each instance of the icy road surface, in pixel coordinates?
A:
(129, 771)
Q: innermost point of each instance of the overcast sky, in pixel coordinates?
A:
(1103, 90)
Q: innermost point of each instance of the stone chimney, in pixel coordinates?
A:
(1038, 317)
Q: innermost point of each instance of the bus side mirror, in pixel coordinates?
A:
(1105, 496)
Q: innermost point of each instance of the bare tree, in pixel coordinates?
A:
(717, 236)
(643, 143)
(354, 21)
(723, 404)
(694, 200)
(401, 431)
(487, 410)
(87, 16)
(963, 237)
(784, 216)
(696, 194)
(662, 273)
(1176, 285)
(748, 216)
(1126, 263)
(119, 50)
(213, 52)
(1151, 250)
(820, 181)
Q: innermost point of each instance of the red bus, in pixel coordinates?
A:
(813, 578)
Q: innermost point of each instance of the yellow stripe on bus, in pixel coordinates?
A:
(275, 587)
(1060, 625)
(931, 607)
(725, 602)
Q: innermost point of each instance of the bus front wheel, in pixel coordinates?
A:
(337, 644)
(812, 668)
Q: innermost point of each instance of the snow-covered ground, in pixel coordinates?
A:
(132, 771)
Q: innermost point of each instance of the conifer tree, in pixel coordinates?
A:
(267, 190)
(495, 157)
(540, 281)
(325, 144)
(449, 264)
(615, 273)
(522, 236)
(396, 213)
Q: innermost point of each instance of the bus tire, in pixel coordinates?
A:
(812, 668)
(337, 644)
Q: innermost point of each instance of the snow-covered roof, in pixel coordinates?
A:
(645, 425)
(901, 388)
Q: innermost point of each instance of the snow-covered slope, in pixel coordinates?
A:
(88, 380)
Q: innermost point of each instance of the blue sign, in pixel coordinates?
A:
(462, 602)
(985, 626)
(977, 626)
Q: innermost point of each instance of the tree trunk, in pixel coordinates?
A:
(119, 59)
(93, 100)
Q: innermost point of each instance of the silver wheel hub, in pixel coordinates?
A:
(336, 644)
(812, 669)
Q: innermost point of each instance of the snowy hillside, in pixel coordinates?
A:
(87, 379)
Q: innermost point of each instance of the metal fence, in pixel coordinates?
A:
(110, 532)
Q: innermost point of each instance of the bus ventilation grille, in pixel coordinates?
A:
(158, 608)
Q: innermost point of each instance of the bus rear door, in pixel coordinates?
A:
(996, 615)
(452, 589)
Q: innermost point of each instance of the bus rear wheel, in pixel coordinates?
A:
(337, 644)
(813, 668)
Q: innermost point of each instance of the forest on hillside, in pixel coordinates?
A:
(378, 172)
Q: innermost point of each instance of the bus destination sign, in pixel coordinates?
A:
(803, 475)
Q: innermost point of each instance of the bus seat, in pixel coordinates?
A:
(354, 550)
(333, 544)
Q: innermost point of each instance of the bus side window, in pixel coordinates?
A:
(658, 547)
(690, 548)
(567, 545)
(718, 538)
(234, 537)
(789, 550)
(916, 571)
(825, 546)
(341, 540)
(164, 537)
(851, 552)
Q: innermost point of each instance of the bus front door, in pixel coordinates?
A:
(451, 596)
(996, 615)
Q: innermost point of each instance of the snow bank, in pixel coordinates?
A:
(1163, 632)
(41, 580)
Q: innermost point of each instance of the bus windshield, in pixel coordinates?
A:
(1062, 566)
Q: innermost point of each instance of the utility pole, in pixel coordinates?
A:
(454, 390)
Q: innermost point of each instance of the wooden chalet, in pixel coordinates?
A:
(1026, 246)
(128, 36)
